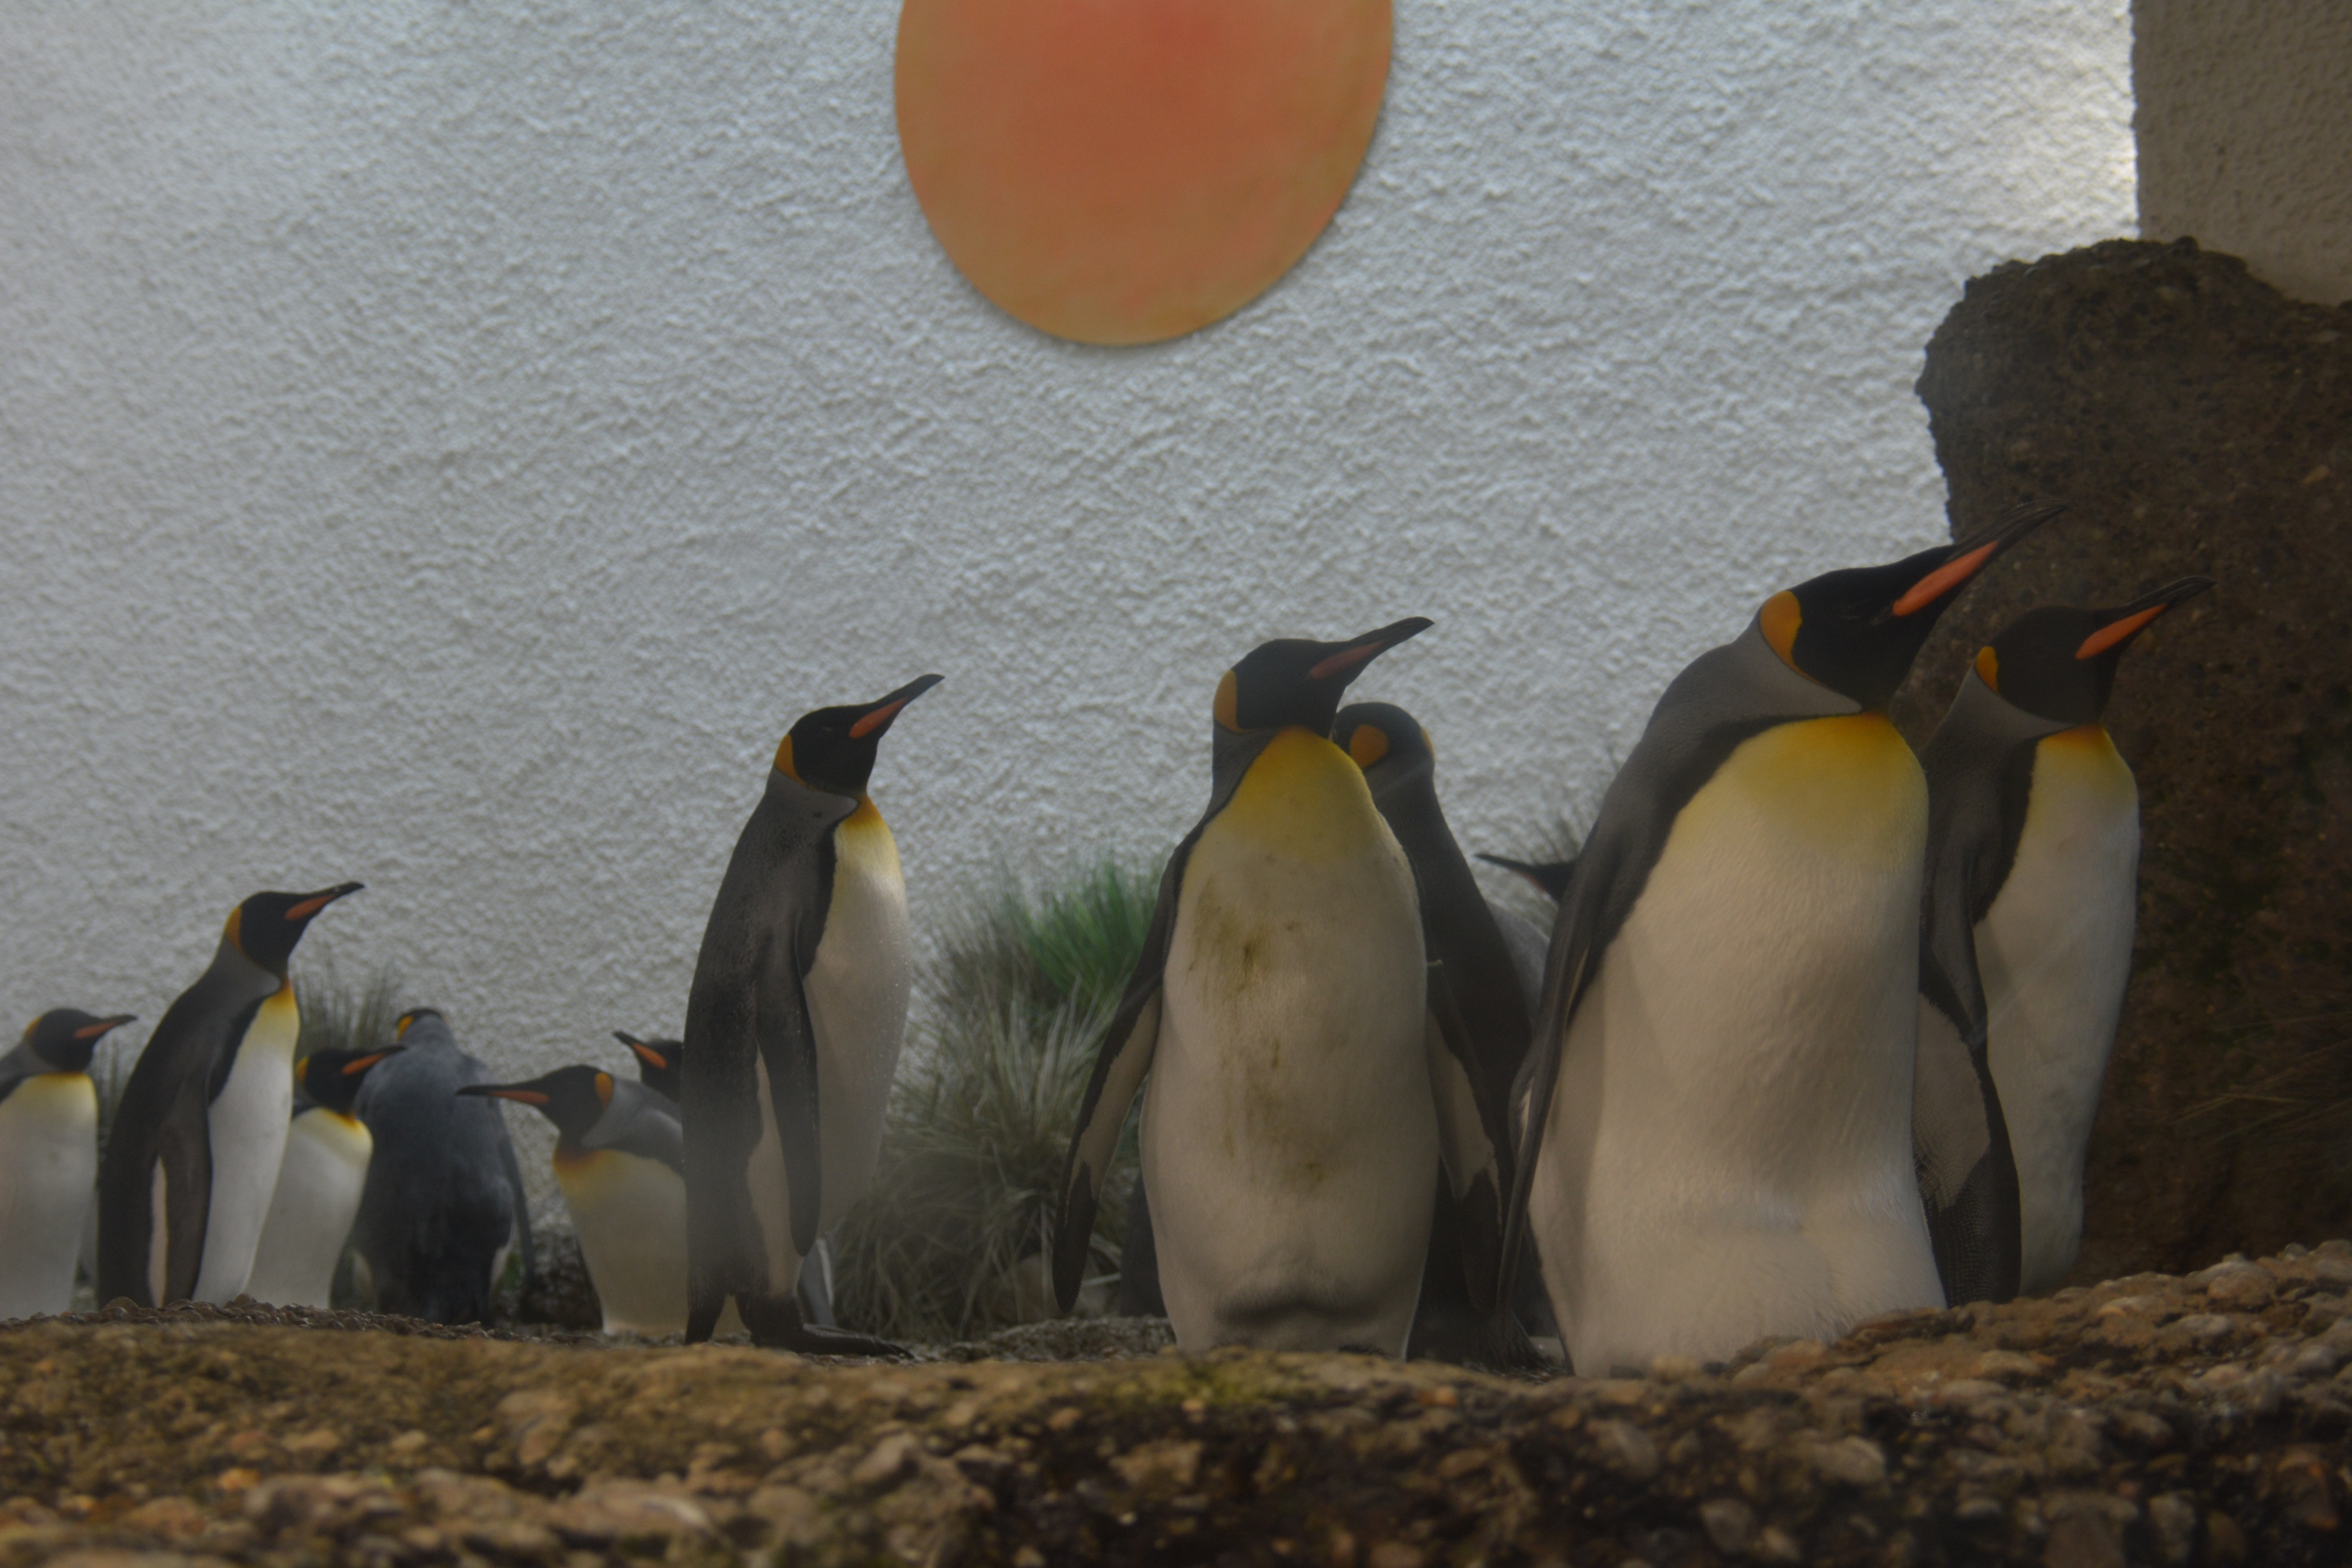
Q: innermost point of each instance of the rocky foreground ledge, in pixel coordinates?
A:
(2152, 1419)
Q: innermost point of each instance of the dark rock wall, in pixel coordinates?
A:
(2197, 421)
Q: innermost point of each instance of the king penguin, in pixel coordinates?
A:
(657, 1061)
(319, 1182)
(1462, 932)
(793, 1028)
(445, 1199)
(192, 1159)
(1716, 1132)
(48, 1158)
(1305, 1080)
(2033, 896)
(620, 1159)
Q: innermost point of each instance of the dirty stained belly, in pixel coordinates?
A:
(1288, 1119)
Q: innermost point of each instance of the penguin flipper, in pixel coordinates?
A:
(1120, 1068)
(1471, 1142)
(787, 1045)
(1967, 1170)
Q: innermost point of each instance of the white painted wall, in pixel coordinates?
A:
(447, 444)
(2244, 122)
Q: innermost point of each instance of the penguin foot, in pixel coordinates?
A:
(777, 1324)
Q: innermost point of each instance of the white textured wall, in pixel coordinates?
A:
(447, 444)
(2245, 134)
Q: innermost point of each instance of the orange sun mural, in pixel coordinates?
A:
(1126, 170)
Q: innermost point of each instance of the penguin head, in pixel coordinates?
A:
(1293, 682)
(574, 1098)
(2058, 663)
(1382, 739)
(832, 749)
(657, 1060)
(429, 1017)
(331, 1078)
(64, 1038)
(1857, 631)
(265, 926)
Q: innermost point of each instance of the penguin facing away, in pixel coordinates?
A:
(48, 1158)
(793, 1028)
(444, 1201)
(193, 1159)
(1461, 932)
(620, 1159)
(320, 1182)
(657, 1061)
(2033, 896)
(1305, 1074)
(1716, 1118)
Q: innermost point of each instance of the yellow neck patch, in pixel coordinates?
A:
(1989, 667)
(1847, 787)
(1302, 800)
(784, 760)
(1779, 621)
(1368, 744)
(1228, 707)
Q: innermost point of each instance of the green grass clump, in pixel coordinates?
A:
(343, 1014)
(951, 1241)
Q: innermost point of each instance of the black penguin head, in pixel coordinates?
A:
(1382, 739)
(265, 926)
(657, 1061)
(574, 1098)
(832, 749)
(1291, 681)
(414, 1015)
(2058, 663)
(1857, 631)
(64, 1038)
(331, 1078)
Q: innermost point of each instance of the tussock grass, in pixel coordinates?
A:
(951, 1241)
(342, 1012)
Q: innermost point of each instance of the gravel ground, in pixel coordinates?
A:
(2154, 1419)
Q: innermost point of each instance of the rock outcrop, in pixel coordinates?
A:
(2152, 1419)
(2196, 421)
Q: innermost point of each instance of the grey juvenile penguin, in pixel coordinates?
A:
(444, 1198)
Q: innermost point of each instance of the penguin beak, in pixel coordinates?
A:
(647, 1053)
(1357, 652)
(2129, 623)
(103, 1026)
(876, 719)
(315, 902)
(358, 1065)
(506, 1091)
(1972, 555)
(625, 1038)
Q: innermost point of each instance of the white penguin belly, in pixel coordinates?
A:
(630, 1215)
(857, 990)
(246, 1123)
(1728, 1152)
(1290, 1131)
(857, 987)
(2054, 951)
(49, 1171)
(310, 1212)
